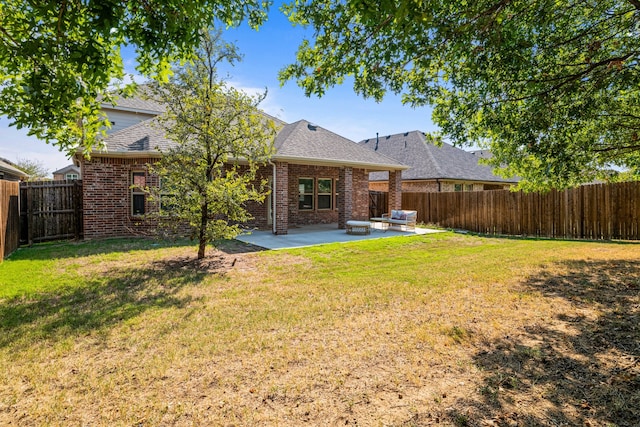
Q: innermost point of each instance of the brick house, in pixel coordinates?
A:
(67, 172)
(316, 177)
(433, 169)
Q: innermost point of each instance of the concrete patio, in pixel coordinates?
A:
(321, 234)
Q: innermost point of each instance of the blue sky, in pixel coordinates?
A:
(265, 52)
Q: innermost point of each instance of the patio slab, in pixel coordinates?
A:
(321, 234)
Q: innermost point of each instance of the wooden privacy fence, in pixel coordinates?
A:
(378, 202)
(9, 217)
(599, 211)
(50, 210)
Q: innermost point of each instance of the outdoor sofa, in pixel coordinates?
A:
(401, 218)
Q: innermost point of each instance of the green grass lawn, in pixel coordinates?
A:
(439, 329)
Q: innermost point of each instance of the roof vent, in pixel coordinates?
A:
(312, 126)
(388, 136)
(406, 133)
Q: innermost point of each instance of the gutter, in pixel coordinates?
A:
(273, 198)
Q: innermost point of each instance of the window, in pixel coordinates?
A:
(305, 194)
(139, 182)
(468, 187)
(457, 187)
(167, 200)
(325, 193)
(71, 176)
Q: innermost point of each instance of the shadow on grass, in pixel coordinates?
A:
(99, 302)
(72, 249)
(578, 370)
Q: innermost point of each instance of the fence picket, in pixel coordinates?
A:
(596, 211)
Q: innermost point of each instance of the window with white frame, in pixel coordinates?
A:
(71, 176)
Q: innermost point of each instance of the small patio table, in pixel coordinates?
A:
(383, 221)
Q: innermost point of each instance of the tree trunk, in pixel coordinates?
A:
(202, 237)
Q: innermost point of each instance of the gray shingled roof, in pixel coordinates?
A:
(68, 168)
(137, 102)
(299, 142)
(304, 142)
(144, 137)
(429, 161)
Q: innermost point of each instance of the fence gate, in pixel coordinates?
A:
(50, 210)
(378, 202)
(9, 217)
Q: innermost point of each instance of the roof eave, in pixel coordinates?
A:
(373, 167)
(131, 109)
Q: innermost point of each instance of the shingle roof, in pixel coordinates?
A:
(144, 137)
(429, 161)
(8, 168)
(305, 142)
(137, 102)
(299, 142)
(66, 169)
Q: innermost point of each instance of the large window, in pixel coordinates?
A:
(139, 182)
(325, 192)
(305, 194)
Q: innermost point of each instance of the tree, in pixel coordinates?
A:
(34, 168)
(220, 139)
(551, 88)
(60, 59)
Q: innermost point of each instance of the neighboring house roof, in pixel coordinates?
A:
(299, 142)
(67, 169)
(6, 167)
(429, 161)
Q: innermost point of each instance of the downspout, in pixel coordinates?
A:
(273, 198)
(439, 187)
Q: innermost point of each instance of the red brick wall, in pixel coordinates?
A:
(107, 197)
(282, 198)
(420, 186)
(359, 204)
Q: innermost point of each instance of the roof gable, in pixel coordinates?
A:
(68, 168)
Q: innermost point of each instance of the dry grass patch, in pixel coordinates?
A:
(435, 330)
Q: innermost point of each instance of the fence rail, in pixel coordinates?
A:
(50, 210)
(599, 211)
(9, 218)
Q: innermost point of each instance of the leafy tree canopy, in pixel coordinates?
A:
(34, 168)
(58, 59)
(551, 87)
(220, 139)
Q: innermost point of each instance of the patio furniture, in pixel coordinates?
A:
(358, 227)
(402, 218)
(384, 223)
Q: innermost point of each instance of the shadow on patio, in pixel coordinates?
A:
(320, 234)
